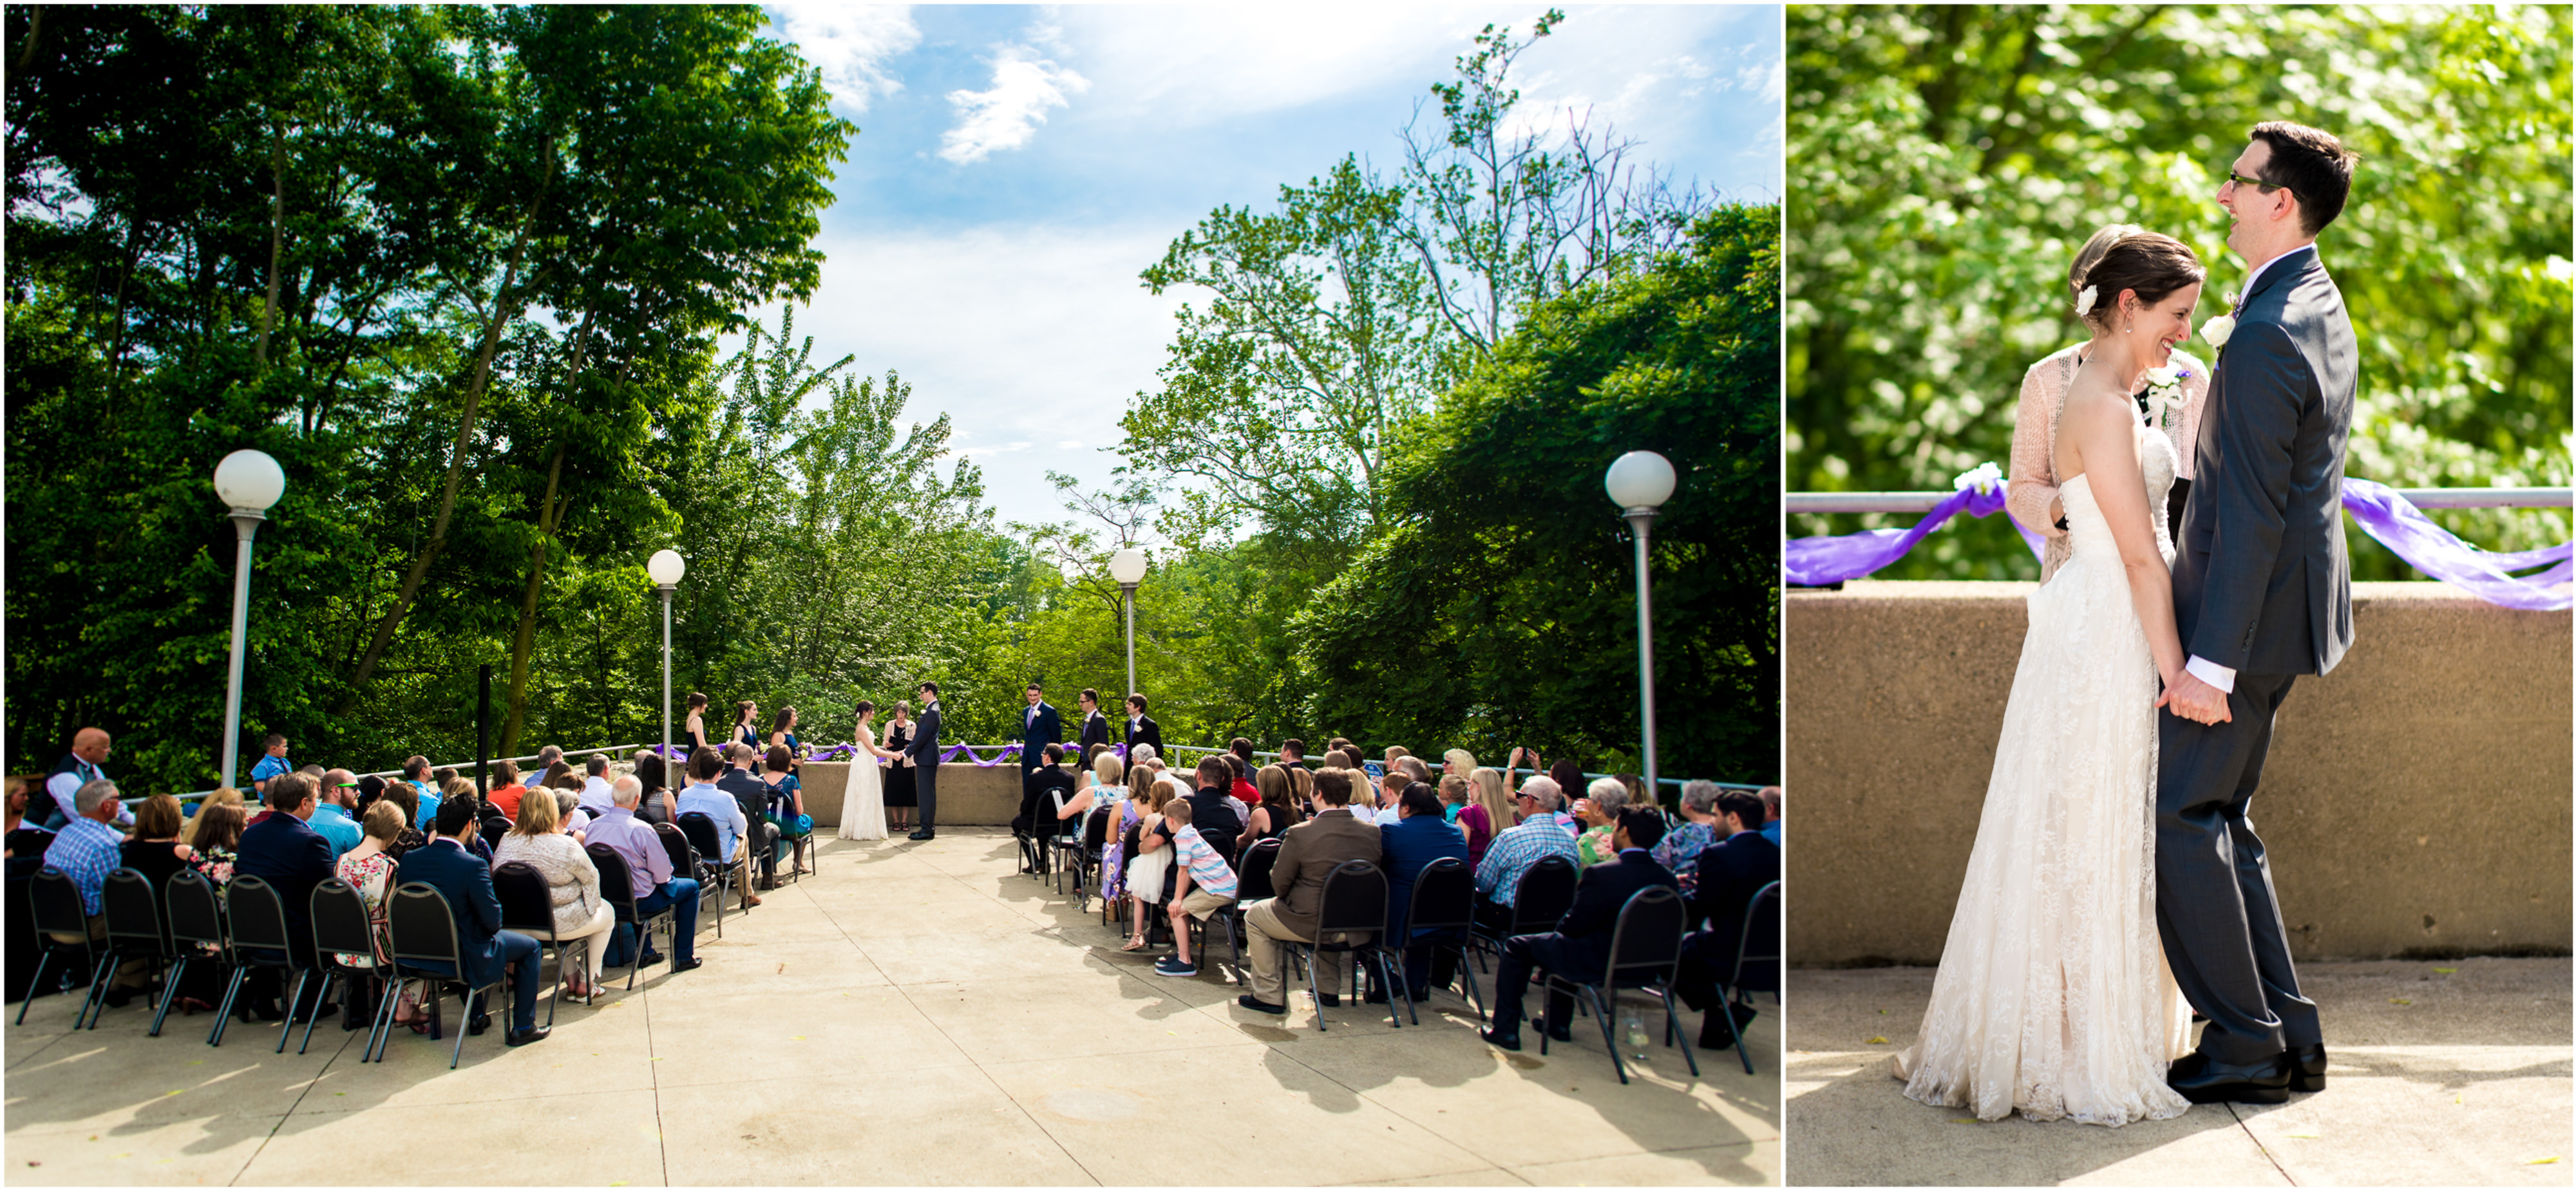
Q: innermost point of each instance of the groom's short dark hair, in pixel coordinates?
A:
(931, 687)
(2313, 165)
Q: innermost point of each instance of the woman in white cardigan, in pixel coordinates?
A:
(581, 912)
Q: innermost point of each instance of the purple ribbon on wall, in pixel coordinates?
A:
(2387, 517)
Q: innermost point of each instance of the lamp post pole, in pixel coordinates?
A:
(667, 589)
(1640, 482)
(245, 527)
(1640, 520)
(249, 482)
(666, 567)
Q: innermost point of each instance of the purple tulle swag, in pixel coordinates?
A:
(2377, 508)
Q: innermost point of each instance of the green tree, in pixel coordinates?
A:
(1948, 161)
(1500, 611)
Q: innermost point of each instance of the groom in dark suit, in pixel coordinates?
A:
(1095, 728)
(925, 760)
(1040, 726)
(2262, 594)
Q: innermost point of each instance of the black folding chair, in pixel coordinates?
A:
(1353, 905)
(715, 872)
(528, 907)
(1645, 947)
(257, 916)
(341, 928)
(425, 947)
(1251, 883)
(783, 807)
(196, 925)
(61, 925)
(1039, 839)
(1086, 856)
(617, 884)
(686, 859)
(1441, 912)
(1543, 895)
(1753, 972)
(133, 914)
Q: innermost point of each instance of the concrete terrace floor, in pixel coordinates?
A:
(915, 1014)
(2443, 1073)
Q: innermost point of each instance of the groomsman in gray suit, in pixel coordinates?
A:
(2262, 594)
(925, 760)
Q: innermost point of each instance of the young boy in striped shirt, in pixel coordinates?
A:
(1202, 884)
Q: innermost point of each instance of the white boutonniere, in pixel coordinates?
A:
(2218, 329)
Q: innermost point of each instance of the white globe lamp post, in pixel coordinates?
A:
(1128, 568)
(250, 483)
(1640, 482)
(666, 567)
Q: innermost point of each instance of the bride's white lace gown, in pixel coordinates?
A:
(2053, 997)
(863, 808)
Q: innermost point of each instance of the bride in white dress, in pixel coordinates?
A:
(2053, 997)
(863, 811)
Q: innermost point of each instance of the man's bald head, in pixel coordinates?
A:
(90, 744)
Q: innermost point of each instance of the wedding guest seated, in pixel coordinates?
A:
(157, 853)
(1487, 813)
(222, 796)
(648, 864)
(1280, 807)
(1307, 854)
(1049, 774)
(369, 869)
(653, 774)
(1203, 884)
(86, 849)
(569, 815)
(281, 848)
(785, 808)
(1241, 766)
(751, 796)
(332, 807)
(26, 838)
(581, 915)
(506, 790)
(1726, 875)
(1699, 829)
(1149, 858)
(1498, 875)
(466, 881)
(1579, 947)
(1599, 809)
(1771, 813)
(1419, 836)
(1219, 816)
(703, 796)
(594, 785)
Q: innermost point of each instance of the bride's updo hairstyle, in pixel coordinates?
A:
(2153, 265)
(2087, 256)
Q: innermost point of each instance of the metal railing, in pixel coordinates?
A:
(2422, 498)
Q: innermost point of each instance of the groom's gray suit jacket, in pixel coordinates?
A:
(2260, 580)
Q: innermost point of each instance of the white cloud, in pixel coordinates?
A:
(1031, 339)
(851, 44)
(1025, 85)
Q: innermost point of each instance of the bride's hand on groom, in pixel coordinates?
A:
(2187, 696)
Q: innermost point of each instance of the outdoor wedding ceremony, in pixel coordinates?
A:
(846, 594)
(2241, 736)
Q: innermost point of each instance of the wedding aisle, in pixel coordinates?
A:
(914, 1014)
(2445, 1072)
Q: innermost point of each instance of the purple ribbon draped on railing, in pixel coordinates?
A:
(2429, 548)
(2387, 517)
(1824, 561)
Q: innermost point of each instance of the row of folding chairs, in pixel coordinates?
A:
(244, 928)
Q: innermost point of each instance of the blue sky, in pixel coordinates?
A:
(1018, 166)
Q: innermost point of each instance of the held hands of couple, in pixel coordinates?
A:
(2187, 696)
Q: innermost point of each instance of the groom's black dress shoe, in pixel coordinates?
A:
(2308, 1067)
(924, 833)
(2203, 1080)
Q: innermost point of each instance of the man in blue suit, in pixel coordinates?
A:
(1579, 949)
(1040, 726)
(282, 849)
(466, 882)
(1420, 834)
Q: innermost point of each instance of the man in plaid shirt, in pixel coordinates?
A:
(1545, 830)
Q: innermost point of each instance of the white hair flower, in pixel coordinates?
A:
(2218, 329)
(2084, 301)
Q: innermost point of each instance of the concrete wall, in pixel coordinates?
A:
(969, 796)
(2416, 802)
